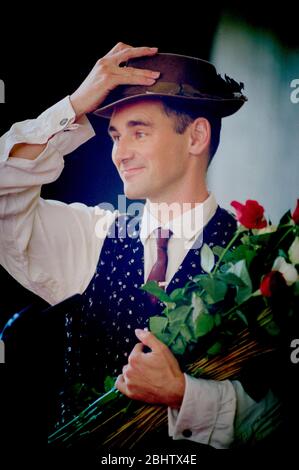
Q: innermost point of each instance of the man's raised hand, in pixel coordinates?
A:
(108, 74)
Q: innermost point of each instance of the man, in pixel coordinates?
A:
(165, 114)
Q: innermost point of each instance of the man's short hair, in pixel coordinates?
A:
(184, 115)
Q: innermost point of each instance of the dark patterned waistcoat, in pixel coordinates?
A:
(113, 304)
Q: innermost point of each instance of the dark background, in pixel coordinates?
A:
(45, 55)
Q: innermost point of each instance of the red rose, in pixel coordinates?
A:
(295, 215)
(251, 215)
(272, 283)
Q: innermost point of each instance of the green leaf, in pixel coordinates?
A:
(207, 258)
(177, 318)
(243, 293)
(198, 306)
(198, 277)
(186, 333)
(216, 289)
(204, 324)
(177, 295)
(215, 349)
(109, 383)
(241, 271)
(153, 288)
(179, 346)
(158, 325)
(230, 278)
(244, 251)
(262, 239)
(285, 219)
(198, 309)
(179, 314)
(229, 255)
(218, 250)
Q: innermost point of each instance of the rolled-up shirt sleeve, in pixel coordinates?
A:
(50, 247)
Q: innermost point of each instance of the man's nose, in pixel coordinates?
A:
(122, 151)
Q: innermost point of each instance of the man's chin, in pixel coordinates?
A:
(131, 193)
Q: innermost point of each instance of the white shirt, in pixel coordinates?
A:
(53, 248)
(183, 236)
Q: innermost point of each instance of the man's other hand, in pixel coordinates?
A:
(152, 377)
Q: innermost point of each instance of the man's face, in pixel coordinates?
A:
(151, 158)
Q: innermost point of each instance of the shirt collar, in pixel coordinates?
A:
(186, 226)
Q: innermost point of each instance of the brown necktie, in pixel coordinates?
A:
(158, 271)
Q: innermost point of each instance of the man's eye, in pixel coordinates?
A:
(140, 134)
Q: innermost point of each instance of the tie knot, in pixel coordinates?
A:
(162, 237)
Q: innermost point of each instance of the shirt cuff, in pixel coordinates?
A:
(207, 413)
(57, 119)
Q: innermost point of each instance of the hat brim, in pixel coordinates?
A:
(219, 107)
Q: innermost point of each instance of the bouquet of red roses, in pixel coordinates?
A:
(242, 307)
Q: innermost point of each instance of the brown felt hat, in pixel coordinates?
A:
(185, 80)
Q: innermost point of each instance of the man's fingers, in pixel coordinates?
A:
(118, 47)
(133, 52)
(109, 67)
(136, 81)
(148, 339)
(107, 74)
(131, 76)
(138, 348)
(130, 71)
(120, 383)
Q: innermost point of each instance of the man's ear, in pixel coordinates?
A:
(200, 136)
